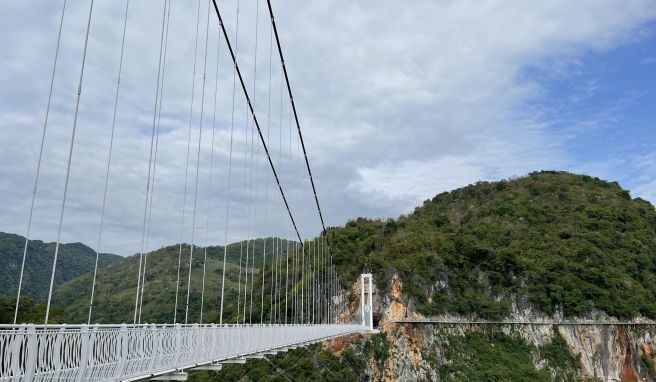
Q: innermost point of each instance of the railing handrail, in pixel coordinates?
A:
(131, 352)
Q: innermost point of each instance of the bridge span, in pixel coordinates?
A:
(292, 277)
(130, 353)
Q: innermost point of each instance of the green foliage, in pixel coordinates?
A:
(378, 346)
(29, 312)
(74, 260)
(479, 356)
(303, 364)
(566, 241)
(117, 284)
(648, 364)
(564, 365)
(476, 356)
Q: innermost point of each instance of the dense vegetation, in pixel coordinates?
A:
(29, 312)
(116, 286)
(74, 259)
(313, 363)
(565, 241)
(478, 356)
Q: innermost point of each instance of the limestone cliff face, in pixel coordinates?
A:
(607, 353)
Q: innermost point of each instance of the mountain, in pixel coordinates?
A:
(567, 243)
(116, 285)
(74, 259)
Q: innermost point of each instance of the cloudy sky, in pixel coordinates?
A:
(397, 101)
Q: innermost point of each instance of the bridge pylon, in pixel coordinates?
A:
(366, 300)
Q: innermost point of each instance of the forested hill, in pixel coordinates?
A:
(74, 259)
(564, 241)
(116, 285)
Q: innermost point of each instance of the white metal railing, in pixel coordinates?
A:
(128, 353)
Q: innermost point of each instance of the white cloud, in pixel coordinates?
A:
(397, 103)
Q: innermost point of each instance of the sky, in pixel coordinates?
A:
(397, 101)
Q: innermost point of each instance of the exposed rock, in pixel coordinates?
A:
(607, 353)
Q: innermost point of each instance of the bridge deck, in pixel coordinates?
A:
(128, 353)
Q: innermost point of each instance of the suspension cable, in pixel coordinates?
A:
(298, 126)
(289, 162)
(157, 130)
(109, 160)
(279, 208)
(250, 186)
(250, 105)
(266, 185)
(200, 141)
(273, 282)
(286, 280)
(209, 199)
(232, 126)
(38, 165)
(303, 276)
(184, 200)
(68, 166)
(150, 164)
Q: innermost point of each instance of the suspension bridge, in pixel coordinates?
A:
(301, 297)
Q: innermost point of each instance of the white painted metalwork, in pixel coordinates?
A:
(367, 304)
(129, 353)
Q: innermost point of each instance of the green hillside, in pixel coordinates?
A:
(563, 240)
(74, 259)
(116, 286)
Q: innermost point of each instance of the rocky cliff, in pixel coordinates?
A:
(584, 352)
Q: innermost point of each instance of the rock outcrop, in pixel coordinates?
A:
(606, 352)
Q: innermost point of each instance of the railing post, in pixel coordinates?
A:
(58, 351)
(122, 350)
(32, 352)
(155, 341)
(178, 345)
(84, 352)
(215, 334)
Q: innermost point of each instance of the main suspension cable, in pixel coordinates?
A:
(250, 105)
(298, 126)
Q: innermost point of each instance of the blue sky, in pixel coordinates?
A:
(397, 103)
(604, 104)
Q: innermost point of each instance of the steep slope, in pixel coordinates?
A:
(74, 259)
(567, 243)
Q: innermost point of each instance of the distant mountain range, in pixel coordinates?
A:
(74, 260)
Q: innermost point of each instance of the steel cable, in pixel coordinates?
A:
(68, 166)
(109, 160)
